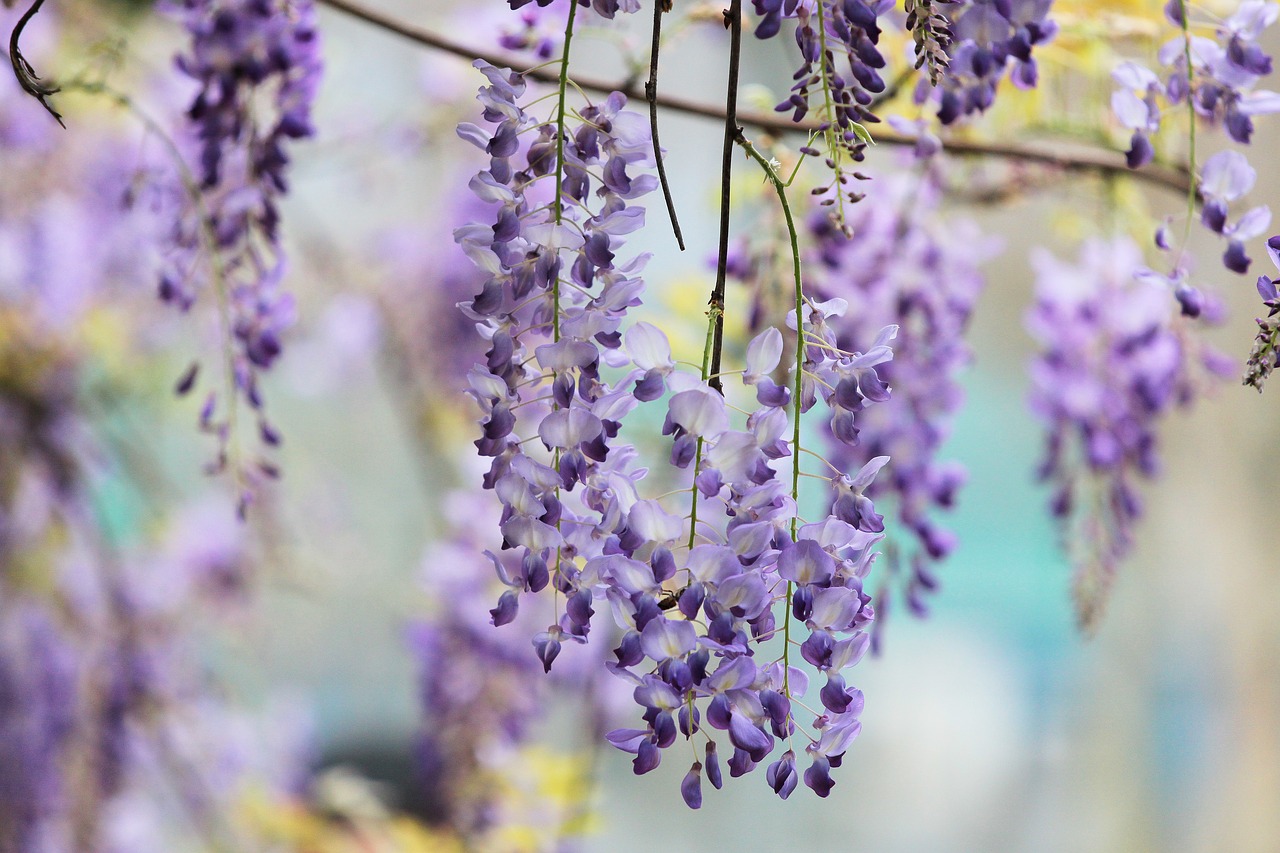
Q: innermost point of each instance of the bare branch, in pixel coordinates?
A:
(1101, 161)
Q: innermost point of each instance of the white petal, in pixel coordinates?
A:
(867, 475)
(1260, 102)
(648, 346)
(1130, 109)
(1253, 224)
(763, 352)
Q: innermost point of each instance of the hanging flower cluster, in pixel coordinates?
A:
(840, 66)
(906, 267)
(1115, 361)
(989, 39)
(968, 47)
(691, 560)
(257, 68)
(695, 579)
(99, 694)
(483, 693)
(479, 689)
(822, 29)
(1217, 78)
(1265, 355)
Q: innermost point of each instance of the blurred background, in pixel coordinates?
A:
(992, 725)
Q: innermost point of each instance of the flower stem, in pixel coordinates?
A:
(781, 188)
(832, 132)
(1191, 116)
(697, 455)
(558, 204)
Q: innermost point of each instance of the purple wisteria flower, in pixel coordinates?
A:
(1136, 106)
(1226, 177)
(482, 693)
(701, 580)
(1217, 78)
(1219, 84)
(1265, 355)
(243, 55)
(849, 34)
(1115, 360)
(990, 39)
(838, 79)
(905, 266)
(102, 691)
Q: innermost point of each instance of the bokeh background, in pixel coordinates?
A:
(993, 725)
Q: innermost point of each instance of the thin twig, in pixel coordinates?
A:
(27, 77)
(793, 238)
(651, 93)
(733, 20)
(1173, 178)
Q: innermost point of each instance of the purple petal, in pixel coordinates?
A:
(691, 787)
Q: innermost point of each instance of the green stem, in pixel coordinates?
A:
(558, 206)
(697, 455)
(1191, 115)
(781, 188)
(829, 110)
(560, 113)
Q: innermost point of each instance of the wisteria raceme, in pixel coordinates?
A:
(1265, 355)
(478, 687)
(968, 45)
(931, 31)
(1226, 177)
(47, 294)
(736, 579)
(834, 39)
(823, 28)
(97, 669)
(43, 438)
(989, 39)
(1219, 82)
(94, 654)
(37, 720)
(1115, 361)
(242, 52)
(483, 693)
(969, 48)
(695, 592)
(730, 613)
(907, 267)
(1217, 77)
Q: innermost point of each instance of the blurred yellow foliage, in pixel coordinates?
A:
(299, 827)
(545, 799)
